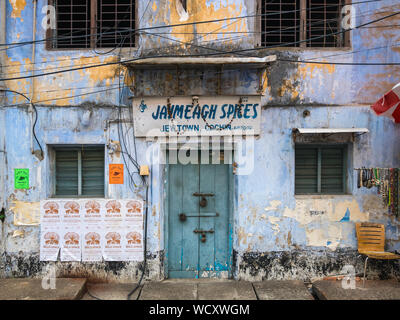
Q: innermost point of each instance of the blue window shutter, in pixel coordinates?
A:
(306, 170)
(66, 173)
(332, 170)
(93, 172)
(320, 169)
(79, 171)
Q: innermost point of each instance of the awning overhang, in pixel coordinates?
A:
(329, 130)
(166, 61)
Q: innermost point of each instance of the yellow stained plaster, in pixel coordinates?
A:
(52, 89)
(265, 83)
(16, 69)
(26, 213)
(312, 69)
(17, 7)
(198, 11)
(96, 75)
(304, 72)
(288, 87)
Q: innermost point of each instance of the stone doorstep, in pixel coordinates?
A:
(373, 290)
(31, 289)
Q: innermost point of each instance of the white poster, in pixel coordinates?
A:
(50, 230)
(91, 230)
(92, 243)
(71, 244)
(190, 116)
(70, 212)
(133, 211)
(50, 213)
(134, 243)
(50, 239)
(113, 249)
(114, 213)
(93, 211)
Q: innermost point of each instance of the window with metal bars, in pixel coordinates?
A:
(320, 169)
(79, 171)
(84, 24)
(302, 23)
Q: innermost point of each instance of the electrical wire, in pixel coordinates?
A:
(207, 54)
(36, 115)
(212, 73)
(150, 33)
(144, 248)
(182, 24)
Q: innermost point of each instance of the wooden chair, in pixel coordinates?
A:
(371, 242)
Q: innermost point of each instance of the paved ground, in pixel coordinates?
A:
(204, 289)
(373, 290)
(282, 290)
(31, 289)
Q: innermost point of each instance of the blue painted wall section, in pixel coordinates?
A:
(274, 235)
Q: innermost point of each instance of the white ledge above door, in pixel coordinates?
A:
(202, 61)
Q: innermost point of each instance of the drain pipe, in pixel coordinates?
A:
(30, 109)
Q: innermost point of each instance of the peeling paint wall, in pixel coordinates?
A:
(275, 233)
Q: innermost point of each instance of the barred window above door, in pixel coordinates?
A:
(84, 24)
(302, 23)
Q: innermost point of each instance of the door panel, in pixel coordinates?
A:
(188, 255)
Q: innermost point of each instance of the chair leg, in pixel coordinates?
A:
(365, 270)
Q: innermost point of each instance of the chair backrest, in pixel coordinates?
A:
(370, 236)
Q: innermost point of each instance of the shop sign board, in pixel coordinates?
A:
(197, 115)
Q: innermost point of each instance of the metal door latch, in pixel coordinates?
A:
(200, 194)
(183, 216)
(203, 231)
(203, 236)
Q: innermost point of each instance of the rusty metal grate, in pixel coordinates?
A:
(292, 22)
(321, 22)
(277, 24)
(115, 18)
(94, 24)
(73, 24)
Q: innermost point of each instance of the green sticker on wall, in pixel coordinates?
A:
(21, 178)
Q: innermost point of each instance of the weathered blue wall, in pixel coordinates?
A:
(274, 234)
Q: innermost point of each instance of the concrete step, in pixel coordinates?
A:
(110, 291)
(373, 290)
(31, 289)
(282, 290)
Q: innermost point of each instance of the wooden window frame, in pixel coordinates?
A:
(93, 27)
(319, 192)
(303, 31)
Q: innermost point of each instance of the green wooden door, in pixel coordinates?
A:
(198, 226)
